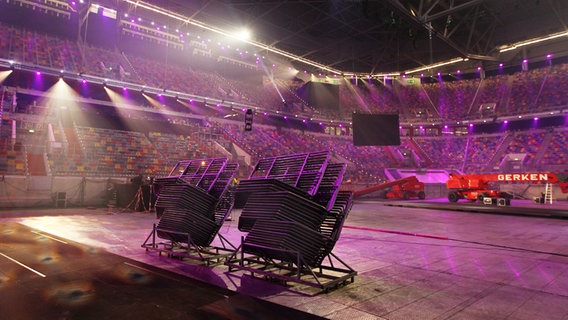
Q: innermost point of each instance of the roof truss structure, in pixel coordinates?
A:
(381, 36)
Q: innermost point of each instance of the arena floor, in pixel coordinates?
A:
(414, 260)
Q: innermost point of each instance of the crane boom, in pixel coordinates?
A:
(403, 188)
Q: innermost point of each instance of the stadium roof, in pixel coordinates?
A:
(382, 36)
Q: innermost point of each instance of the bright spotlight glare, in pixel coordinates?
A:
(243, 35)
(4, 75)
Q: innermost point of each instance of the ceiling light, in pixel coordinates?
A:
(436, 65)
(532, 41)
(202, 25)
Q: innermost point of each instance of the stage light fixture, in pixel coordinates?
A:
(248, 120)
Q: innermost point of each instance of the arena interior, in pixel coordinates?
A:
(397, 159)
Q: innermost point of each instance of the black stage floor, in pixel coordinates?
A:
(47, 277)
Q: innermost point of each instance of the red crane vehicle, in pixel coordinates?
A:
(476, 186)
(404, 188)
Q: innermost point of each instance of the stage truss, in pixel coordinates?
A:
(209, 255)
(331, 274)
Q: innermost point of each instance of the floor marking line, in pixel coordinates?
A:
(398, 232)
(50, 237)
(23, 265)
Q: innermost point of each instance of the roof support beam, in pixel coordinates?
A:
(427, 18)
(425, 21)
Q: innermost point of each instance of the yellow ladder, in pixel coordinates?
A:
(548, 193)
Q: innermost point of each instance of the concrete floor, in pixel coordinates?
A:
(412, 263)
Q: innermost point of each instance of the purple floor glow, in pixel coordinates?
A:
(412, 263)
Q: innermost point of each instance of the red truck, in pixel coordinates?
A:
(476, 186)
